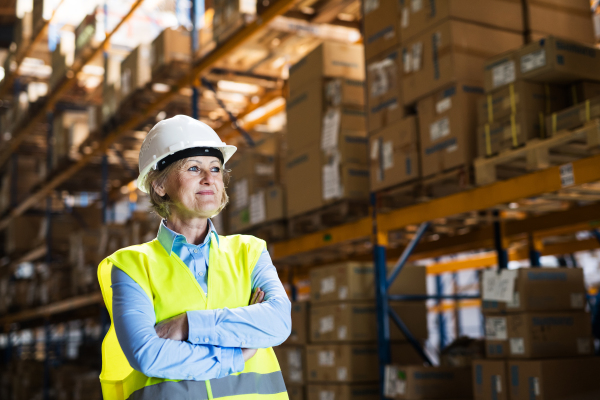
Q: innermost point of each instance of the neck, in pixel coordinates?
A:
(194, 230)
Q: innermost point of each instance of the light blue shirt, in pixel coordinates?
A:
(215, 338)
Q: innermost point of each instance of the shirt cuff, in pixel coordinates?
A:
(232, 361)
(201, 327)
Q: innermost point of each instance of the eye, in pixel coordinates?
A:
(215, 169)
(193, 169)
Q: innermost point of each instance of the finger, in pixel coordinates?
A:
(261, 297)
(253, 298)
(258, 293)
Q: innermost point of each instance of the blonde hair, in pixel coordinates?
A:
(161, 204)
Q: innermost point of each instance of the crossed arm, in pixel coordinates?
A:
(211, 346)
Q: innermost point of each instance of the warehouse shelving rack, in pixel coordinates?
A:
(374, 229)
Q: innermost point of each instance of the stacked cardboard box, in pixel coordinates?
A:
(326, 129)
(292, 353)
(71, 129)
(21, 177)
(342, 355)
(256, 192)
(567, 19)
(23, 31)
(135, 70)
(527, 87)
(90, 32)
(170, 54)
(414, 382)
(62, 58)
(229, 16)
(542, 329)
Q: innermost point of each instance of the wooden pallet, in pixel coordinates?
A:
(443, 184)
(564, 147)
(274, 231)
(331, 215)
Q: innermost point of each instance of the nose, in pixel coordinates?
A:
(207, 178)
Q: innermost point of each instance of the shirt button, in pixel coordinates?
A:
(205, 340)
(243, 343)
(201, 273)
(197, 339)
(195, 250)
(190, 377)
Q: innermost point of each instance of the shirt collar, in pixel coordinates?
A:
(167, 237)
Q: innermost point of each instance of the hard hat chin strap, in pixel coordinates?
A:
(191, 152)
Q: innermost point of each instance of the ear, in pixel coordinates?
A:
(159, 189)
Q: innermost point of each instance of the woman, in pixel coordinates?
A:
(219, 304)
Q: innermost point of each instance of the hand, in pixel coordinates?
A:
(257, 297)
(248, 354)
(175, 328)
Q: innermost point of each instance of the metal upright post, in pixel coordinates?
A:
(46, 360)
(457, 319)
(498, 242)
(439, 287)
(534, 252)
(14, 179)
(194, 16)
(49, 157)
(381, 299)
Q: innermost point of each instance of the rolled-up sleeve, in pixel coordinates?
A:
(134, 320)
(257, 326)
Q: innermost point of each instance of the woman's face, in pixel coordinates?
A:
(195, 190)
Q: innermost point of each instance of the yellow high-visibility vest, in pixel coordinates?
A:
(174, 290)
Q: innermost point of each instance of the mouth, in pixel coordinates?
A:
(206, 192)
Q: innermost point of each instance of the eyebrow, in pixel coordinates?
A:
(200, 162)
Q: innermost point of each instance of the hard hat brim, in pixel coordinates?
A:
(227, 150)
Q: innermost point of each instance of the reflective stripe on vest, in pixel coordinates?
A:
(173, 289)
(232, 385)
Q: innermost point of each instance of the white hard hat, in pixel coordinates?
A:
(172, 135)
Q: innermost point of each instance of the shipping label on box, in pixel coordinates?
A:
(384, 96)
(534, 289)
(341, 363)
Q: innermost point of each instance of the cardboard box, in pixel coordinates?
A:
(380, 27)
(304, 111)
(344, 181)
(300, 320)
(89, 34)
(570, 378)
(490, 380)
(355, 281)
(357, 322)
(172, 45)
(295, 392)
(415, 382)
(292, 361)
(238, 219)
(548, 60)
(352, 363)
(538, 335)
(260, 168)
(509, 132)
(448, 127)
(329, 60)
(567, 19)
(24, 232)
(264, 205)
(135, 70)
(303, 176)
(343, 392)
(384, 90)
(417, 16)
(450, 52)
(542, 289)
(527, 97)
(582, 91)
(573, 117)
(394, 154)
(344, 92)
